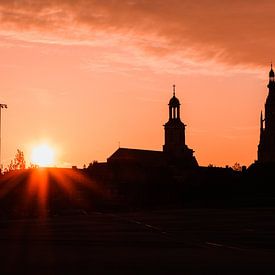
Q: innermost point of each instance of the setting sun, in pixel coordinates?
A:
(42, 155)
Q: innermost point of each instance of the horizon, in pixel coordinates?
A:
(88, 79)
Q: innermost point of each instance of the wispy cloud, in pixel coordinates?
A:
(132, 59)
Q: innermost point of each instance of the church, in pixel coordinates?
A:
(266, 147)
(175, 151)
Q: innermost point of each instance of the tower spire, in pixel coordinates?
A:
(174, 90)
(266, 147)
(261, 121)
(271, 75)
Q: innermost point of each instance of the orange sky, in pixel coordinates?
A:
(85, 75)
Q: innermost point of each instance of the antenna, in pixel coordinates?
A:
(174, 90)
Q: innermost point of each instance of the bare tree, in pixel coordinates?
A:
(19, 162)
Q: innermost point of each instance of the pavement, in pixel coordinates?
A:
(183, 241)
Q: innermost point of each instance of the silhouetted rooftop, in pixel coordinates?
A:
(138, 155)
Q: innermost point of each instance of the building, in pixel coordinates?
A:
(175, 151)
(174, 146)
(266, 147)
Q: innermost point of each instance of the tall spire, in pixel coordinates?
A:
(266, 147)
(271, 73)
(261, 121)
(174, 90)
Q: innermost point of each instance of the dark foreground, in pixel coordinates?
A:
(191, 241)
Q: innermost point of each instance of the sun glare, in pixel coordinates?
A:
(42, 155)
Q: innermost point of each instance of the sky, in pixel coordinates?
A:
(88, 76)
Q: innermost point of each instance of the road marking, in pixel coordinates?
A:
(224, 246)
(158, 230)
(214, 244)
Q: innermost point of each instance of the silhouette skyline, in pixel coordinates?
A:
(83, 87)
(175, 130)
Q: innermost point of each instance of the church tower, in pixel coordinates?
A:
(174, 144)
(266, 147)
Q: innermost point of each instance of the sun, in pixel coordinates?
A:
(43, 155)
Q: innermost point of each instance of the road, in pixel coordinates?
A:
(190, 241)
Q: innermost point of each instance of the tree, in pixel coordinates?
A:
(237, 167)
(19, 162)
(93, 163)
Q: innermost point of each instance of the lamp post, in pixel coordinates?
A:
(1, 107)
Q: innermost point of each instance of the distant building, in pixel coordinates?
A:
(266, 147)
(175, 151)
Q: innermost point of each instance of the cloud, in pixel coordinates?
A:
(233, 32)
(136, 60)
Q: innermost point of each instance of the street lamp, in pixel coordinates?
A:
(1, 107)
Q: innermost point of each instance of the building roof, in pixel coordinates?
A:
(138, 156)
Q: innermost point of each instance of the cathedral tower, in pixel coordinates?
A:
(266, 147)
(174, 144)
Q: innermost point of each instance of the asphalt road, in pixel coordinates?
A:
(191, 241)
